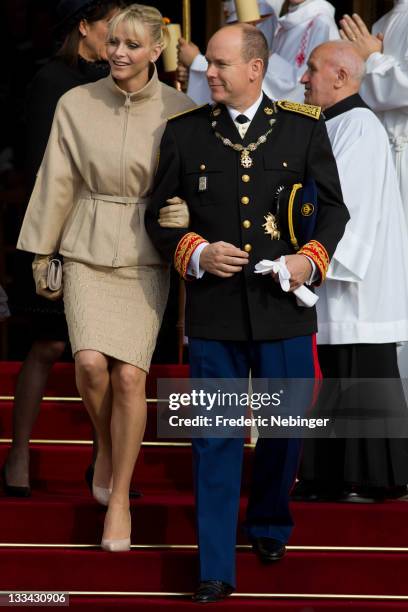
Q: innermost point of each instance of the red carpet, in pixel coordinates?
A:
(176, 570)
(168, 518)
(62, 512)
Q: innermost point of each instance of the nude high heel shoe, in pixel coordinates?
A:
(121, 545)
(101, 494)
(115, 545)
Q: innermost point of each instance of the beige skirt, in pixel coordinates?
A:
(116, 311)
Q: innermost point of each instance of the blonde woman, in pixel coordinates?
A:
(88, 204)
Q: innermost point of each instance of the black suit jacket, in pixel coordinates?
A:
(246, 306)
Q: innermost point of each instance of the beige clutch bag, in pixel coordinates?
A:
(54, 276)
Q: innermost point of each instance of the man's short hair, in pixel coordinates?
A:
(254, 45)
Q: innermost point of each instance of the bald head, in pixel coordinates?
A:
(335, 71)
(237, 58)
(341, 54)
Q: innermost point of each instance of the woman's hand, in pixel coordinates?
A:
(40, 274)
(175, 215)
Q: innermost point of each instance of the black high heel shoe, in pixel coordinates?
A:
(12, 490)
(89, 473)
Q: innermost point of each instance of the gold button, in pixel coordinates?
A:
(248, 248)
(245, 200)
(285, 164)
(246, 178)
(202, 167)
(246, 224)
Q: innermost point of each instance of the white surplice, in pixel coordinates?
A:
(303, 28)
(365, 296)
(385, 87)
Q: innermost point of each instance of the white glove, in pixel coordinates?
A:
(304, 296)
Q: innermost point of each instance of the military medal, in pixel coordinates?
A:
(246, 159)
(271, 226)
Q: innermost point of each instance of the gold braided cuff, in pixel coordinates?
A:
(184, 251)
(318, 254)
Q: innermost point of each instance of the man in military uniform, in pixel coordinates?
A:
(227, 162)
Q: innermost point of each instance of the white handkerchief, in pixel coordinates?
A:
(304, 296)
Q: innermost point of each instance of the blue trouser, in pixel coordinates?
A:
(218, 461)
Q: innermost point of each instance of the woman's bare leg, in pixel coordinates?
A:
(93, 382)
(29, 391)
(127, 428)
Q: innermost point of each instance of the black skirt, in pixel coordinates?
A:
(369, 462)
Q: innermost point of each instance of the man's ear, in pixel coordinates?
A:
(257, 68)
(342, 78)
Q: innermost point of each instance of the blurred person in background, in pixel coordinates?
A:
(385, 90)
(306, 24)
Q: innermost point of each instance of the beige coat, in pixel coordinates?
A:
(91, 191)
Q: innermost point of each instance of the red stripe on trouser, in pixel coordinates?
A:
(317, 371)
(318, 376)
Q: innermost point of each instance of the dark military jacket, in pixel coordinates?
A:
(229, 202)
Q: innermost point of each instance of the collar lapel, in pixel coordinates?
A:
(260, 123)
(225, 125)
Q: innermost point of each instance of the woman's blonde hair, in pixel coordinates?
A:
(140, 16)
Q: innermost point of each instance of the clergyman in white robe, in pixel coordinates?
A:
(362, 311)
(303, 28)
(385, 87)
(365, 297)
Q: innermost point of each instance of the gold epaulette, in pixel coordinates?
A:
(186, 112)
(303, 109)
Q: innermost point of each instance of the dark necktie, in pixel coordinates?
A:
(241, 119)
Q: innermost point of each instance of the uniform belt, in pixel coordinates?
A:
(115, 199)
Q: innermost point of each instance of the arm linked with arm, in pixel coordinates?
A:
(175, 244)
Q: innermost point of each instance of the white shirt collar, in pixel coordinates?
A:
(249, 112)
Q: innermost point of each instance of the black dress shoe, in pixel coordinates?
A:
(12, 490)
(268, 549)
(362, 495)
(89, 473)
(211, 591)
